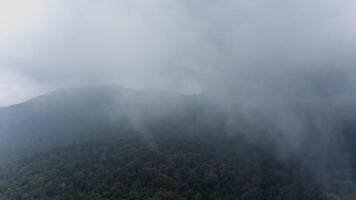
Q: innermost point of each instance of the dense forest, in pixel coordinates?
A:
(169, 168)
(164, 168)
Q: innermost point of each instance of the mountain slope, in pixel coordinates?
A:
(91, 113)
(108, 142)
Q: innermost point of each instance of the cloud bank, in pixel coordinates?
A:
(256, 50)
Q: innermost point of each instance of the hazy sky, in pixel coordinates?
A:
(184, 45)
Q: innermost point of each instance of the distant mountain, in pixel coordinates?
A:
(89, 113)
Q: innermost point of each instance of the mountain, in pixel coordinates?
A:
(84, 113)
(109, 142)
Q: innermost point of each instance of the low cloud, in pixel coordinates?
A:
(251, 50)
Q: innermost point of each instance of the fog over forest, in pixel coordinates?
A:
(279, 74)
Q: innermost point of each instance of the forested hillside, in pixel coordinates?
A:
(122, 145)
(166, 168)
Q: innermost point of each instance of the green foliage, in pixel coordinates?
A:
(158, 169)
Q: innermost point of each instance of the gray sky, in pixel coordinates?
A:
(273, 46)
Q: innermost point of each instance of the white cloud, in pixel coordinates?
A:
(16, 88)
(218, 44)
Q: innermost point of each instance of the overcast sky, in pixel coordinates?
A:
(182, 45)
